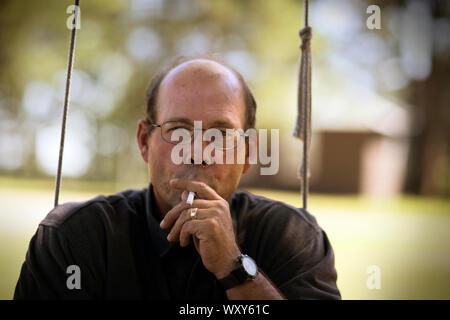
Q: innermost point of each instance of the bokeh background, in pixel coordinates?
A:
(380, 166)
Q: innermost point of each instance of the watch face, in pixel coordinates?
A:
(249, 265)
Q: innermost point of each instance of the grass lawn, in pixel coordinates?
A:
(406, 237)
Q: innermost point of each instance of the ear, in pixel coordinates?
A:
(247, 164)
(143, 139)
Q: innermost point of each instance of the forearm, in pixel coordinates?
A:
(260, 288)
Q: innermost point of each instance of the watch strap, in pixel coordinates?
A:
(236, 277)
(229, 281)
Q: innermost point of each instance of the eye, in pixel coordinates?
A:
(226, 133)
(175, 128)
(171, 129)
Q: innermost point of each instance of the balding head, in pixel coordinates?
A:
(191, 74)
(196, 74)
(202, 70)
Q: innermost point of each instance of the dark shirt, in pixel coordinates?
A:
(122, 253)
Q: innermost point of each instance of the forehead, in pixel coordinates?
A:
(201, 90)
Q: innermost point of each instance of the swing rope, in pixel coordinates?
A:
(66, 101)
(302, 128)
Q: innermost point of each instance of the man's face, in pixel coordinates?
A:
(195, 90)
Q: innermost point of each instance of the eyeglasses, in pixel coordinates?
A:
(176, 132)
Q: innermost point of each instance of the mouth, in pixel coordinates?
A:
(195, 174)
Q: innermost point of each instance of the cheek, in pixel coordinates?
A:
(227, 177)
(235, 156)
(228, 174)
(159, 156)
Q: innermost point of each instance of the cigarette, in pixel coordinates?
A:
(190, 198)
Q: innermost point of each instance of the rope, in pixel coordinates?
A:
(302, 128)
(66, 103)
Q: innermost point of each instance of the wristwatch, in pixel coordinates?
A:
(244, 270)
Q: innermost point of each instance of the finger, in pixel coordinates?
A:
(184, 195)
(190, 228)
(173, 214)
(198, 229)
(196, 243)
(185, 217)
(202, 189)
(204, 204)
(171, 217)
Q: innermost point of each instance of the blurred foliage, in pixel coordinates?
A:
(122, 43)
(262, 34)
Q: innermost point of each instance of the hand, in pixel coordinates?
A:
(212, 231)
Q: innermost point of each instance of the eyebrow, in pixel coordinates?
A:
(216, 123)
(179, 119)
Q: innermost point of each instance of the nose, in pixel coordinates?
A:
(205, 158)
(204, 163)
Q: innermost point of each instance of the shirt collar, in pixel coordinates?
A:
(158, 236)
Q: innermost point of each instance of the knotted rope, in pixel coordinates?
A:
(302, 128)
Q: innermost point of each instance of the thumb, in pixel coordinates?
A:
(184, 195)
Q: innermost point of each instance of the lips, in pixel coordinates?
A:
(196, 174)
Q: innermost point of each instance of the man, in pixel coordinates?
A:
(152, 244)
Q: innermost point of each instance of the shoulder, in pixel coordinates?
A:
(101, 209)
(272, 214)
(287, 244)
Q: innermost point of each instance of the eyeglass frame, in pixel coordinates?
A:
(156, 125)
